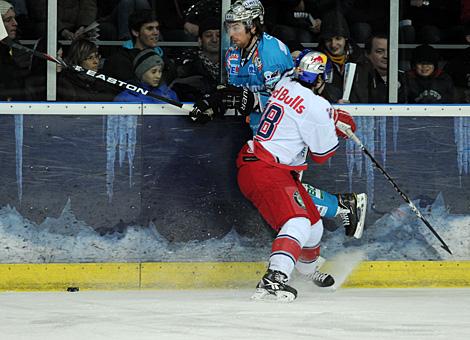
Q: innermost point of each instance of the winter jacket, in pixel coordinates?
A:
(194, 79)
(163, 90)
(378, 89)
(334, 86)
(11, 80)
(75, 87)
(435, 89)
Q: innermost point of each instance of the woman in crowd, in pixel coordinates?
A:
(73, 86)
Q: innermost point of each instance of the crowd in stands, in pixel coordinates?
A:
(347, 31)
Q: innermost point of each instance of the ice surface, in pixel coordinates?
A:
(364, 314)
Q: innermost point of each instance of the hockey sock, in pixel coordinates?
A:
(308, 259)
(326, 203)
(288, 244)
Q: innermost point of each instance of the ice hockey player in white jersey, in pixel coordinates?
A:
(295, 121)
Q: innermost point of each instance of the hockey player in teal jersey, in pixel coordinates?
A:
(255, 63)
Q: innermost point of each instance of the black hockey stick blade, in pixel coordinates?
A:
(104, 78)
(347, 130)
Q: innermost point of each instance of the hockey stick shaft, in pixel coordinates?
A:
(92, 74)
(347, 129)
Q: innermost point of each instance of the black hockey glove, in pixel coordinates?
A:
(239, 98)
(207, 108)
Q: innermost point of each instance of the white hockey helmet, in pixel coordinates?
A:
(245, 11)
(309, 65)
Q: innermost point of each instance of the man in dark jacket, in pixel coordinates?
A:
(199, 73)
(376, 48)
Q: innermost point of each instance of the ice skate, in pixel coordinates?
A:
(321, 279)
(273, 286)
(352, 210)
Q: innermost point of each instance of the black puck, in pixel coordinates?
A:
(73, 289)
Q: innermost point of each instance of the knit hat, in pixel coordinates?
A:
(425, 54)
(209, 23)
(5, 6)
(334, 24)
(145, 60)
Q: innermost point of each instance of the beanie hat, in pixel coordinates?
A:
(145, 60)
(5, 6)
(334, 24)
(425, 54)
(209, 23)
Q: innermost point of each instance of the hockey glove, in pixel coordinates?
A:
(239, 98)
(207, 108)
(343, 122)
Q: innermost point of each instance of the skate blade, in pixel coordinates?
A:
(361, 202)
(262, 294)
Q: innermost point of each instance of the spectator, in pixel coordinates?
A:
(426, 82)
(148, 69)
(114, 18)
(376, 48)
(459, 70)
(11, 75)
(73, 86)
(335, 42)
(144, 28)
(200, 72)
(72, 15)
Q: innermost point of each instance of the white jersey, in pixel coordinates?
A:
(297, 120)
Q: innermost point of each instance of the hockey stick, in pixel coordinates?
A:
(78, 69)
(3, 31)
(347, 130)
(349, 72)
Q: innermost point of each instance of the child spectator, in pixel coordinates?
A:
(426, 82)
(148, 70)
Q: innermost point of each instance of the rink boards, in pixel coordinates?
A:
(187, 275)
(64, 153)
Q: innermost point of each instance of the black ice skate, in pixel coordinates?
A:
(273, 286)
(352, 209)
(321, 279)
